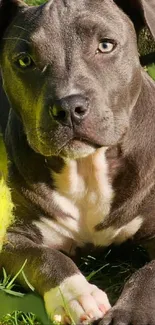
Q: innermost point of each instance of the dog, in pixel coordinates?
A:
(80, 139)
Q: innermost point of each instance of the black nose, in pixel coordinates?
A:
(71, 109)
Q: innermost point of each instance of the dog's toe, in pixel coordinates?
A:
(84, 308)
(90, 307)
(101, 299)
(76, 301)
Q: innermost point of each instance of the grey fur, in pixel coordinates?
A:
(70, 74)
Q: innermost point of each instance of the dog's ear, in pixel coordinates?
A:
(8, 10)
(149, 14)
(141, 12)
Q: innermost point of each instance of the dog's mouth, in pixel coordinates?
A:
(78, 147)
(64, 142)
(85, 141)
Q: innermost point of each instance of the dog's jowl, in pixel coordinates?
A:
(79, 124)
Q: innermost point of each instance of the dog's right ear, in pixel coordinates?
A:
(8, 10)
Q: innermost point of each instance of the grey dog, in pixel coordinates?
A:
(80, 136)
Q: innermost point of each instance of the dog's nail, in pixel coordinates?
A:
(103, 309)
(90, 315)
(84, 317)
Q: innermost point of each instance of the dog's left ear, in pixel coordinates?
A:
(141, 12)
(8, 10)
(149, 14)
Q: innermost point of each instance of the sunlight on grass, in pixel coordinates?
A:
(151, 71)
(35, 2)
(19, 318)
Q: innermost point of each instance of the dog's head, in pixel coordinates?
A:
(71, 71)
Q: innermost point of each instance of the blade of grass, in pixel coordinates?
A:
(9, 286)
(66, 308)
(27, 282)
(91, 275)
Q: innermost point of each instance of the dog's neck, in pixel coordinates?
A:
(112, 154)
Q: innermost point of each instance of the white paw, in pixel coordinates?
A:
(76, 301)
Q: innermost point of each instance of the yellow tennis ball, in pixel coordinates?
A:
(6, 205)
(6, 210)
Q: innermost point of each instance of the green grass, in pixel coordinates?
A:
(35, 2)
(151, 71)
(19, 318)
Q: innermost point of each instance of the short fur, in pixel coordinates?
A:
(80, 137)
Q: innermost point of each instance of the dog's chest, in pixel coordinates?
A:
(84, 195)
(84, 192)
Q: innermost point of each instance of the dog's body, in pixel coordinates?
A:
(80, 138)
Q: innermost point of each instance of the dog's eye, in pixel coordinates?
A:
(106, 46)
(24, 61)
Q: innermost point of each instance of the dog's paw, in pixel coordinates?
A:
(76, 301)
(136, 304)
(119, 315)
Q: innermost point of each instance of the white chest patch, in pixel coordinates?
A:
(85, 194)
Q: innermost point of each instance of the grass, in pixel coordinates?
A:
(151, 71)
(109, 270)
(19, 318)
(35, 2)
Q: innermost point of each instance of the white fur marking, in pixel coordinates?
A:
(81, 299)
(56, 236)
(129, 230)
(118, 236)
(85, 195)
(84, 183)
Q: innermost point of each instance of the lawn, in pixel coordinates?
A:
(108, 270)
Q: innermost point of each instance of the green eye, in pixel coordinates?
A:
(25, 61)
(106, 46)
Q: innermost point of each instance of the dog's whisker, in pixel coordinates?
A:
(44, 69)
(21, 28)
(16, 38)
(59, 150)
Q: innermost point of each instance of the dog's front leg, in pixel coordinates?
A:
(136, 304)
(65, 290)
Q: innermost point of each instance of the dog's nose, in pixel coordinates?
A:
(69, 109)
